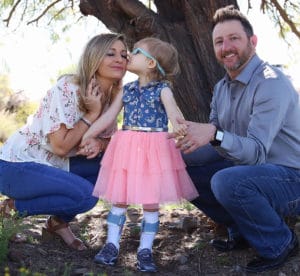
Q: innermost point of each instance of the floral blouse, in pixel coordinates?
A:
(31, 143)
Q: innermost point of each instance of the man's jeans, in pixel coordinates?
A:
(41, 189)
(252, 199)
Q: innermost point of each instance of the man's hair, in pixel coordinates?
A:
(231, 13)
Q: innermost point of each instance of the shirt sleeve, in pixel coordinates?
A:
(59, 106)
(270, 106)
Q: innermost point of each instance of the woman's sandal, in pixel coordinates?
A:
(7, 208)
(53, 224)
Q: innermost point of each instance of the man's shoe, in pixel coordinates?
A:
(230, 244)
(145, 261)
(260, 264)
(108, 255)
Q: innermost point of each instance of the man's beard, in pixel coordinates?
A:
(243, 59)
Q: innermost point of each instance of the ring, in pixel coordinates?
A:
(187, 145)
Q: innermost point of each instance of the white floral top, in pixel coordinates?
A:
(31, 143)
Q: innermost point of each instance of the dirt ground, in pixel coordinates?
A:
(181, 248)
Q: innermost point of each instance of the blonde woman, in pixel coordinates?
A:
(39, 170)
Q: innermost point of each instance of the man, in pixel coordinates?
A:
(250, 177)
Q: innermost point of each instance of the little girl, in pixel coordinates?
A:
(141, 165)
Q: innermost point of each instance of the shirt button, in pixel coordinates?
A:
(232, 121)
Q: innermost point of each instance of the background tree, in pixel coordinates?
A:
(184, 23)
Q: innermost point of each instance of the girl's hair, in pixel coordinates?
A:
(231, 13)
(90, 61)
(165, 54)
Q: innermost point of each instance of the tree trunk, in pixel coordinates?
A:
(184, 23)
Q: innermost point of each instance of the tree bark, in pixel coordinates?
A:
(184, 23)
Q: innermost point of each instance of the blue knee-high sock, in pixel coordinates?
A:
(114, 230)
(147, 236)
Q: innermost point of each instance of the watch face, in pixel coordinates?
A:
(219, 135)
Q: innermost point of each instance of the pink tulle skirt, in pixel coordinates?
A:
(143, 168)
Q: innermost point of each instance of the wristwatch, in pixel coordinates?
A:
(218, 138)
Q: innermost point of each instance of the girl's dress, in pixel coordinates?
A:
(141, 165)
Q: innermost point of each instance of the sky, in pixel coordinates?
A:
(33, 60)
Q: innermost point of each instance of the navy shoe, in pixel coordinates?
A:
(108, 255)
(260, 264)
(145, 261)
(230, 244)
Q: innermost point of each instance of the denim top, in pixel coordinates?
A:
(143, 106)
(259, 112)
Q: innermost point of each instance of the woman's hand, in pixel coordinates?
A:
(92, 99)
(91, 147)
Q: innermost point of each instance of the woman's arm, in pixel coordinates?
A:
(65, 139)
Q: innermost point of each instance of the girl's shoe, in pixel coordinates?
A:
(145, 261)
(108, 255)
(52, 229)
(7, 208)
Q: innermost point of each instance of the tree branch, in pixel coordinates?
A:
(44, 12)
(286, 18)
(7, 20)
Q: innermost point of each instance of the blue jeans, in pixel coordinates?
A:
(252, 199)
(41, 189)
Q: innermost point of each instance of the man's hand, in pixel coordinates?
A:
(198, 135)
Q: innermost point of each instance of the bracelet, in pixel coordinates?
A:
(86, 121)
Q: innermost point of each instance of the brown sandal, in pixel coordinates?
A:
(7, 208)
(54, 224)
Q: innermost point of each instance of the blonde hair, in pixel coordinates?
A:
(90, 61)
(166, 55)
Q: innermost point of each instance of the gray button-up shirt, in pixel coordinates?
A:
(259, 113)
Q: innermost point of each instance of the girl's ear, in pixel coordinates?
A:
(151, 64)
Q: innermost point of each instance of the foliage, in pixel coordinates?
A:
(8, 125)
(24, 111)
(5, 90)
(285, 13)
(9, 227)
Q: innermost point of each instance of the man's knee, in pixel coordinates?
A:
(223, 184)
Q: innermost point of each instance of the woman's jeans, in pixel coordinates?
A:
(41, 189)
(253, 199)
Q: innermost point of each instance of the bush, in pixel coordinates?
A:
(8, 125)
(24, 111)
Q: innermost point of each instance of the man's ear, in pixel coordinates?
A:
(151, 64)
(253, 40)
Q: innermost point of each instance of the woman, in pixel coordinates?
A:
(39, 169)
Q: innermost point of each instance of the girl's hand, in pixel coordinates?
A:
(197, 135)
(179, 129)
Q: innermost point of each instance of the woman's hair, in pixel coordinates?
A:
(165, 54)
(90, 61)
(231, 13)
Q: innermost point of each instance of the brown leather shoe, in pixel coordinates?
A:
(54, 224)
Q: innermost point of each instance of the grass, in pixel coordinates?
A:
(9, 227)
